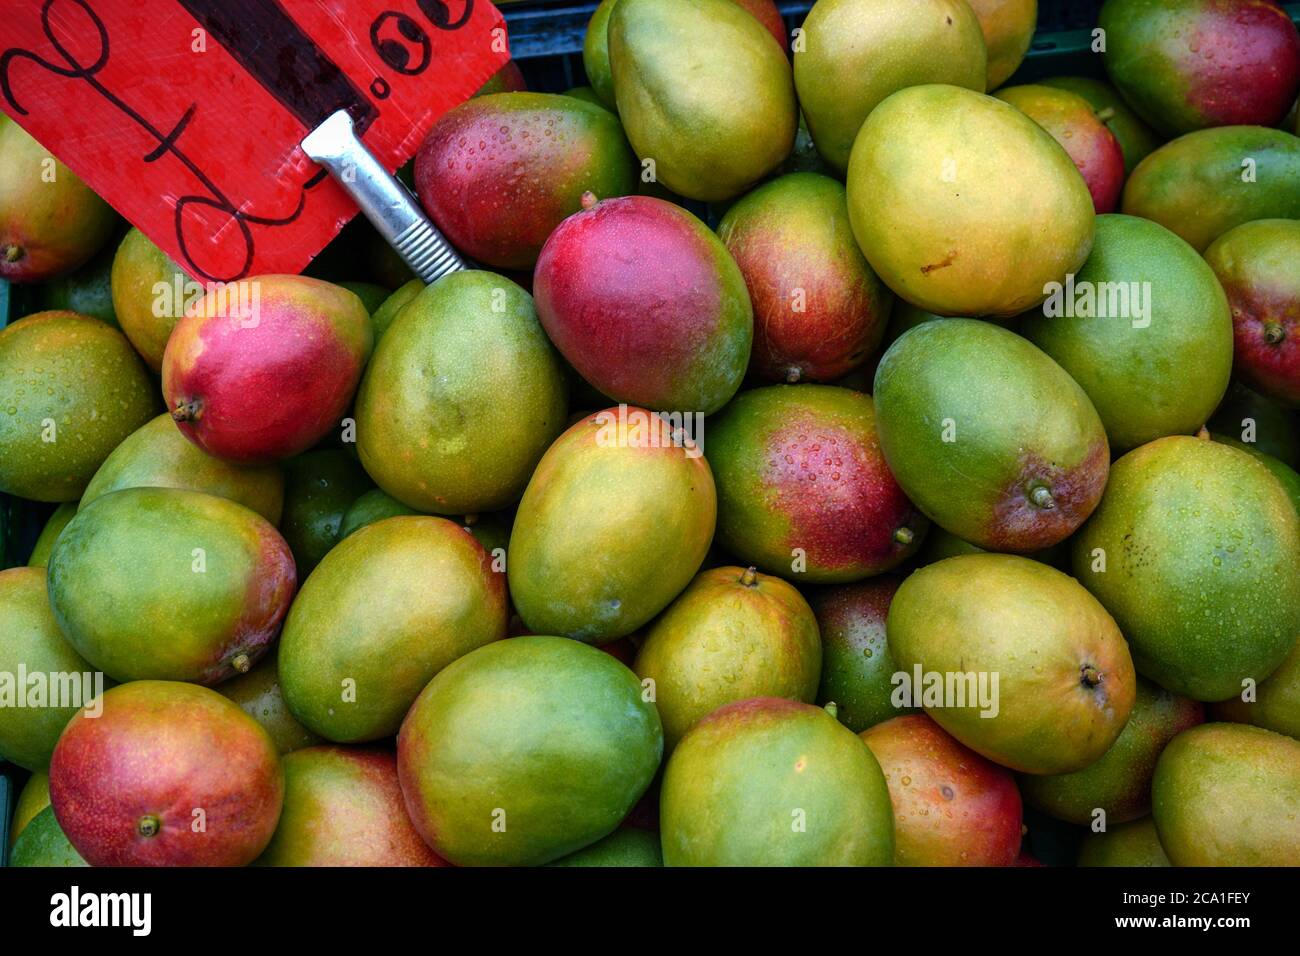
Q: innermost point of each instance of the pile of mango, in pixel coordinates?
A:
(839, 450)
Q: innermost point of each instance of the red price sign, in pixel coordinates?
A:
(186, 115)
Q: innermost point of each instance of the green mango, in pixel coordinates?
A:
(773, 782)
(704, 91)
(374, 505)
(259, 695)
(1032, 671)
(626, 846)
(140, 270)
(994, 207)
(161, 583)
(387, 609)
(34, 797)
(1287, 475)
(1205, 183)
(1144, 328)
(33, 714)
(589, 95)
(732, 634)
(383, 317)
(88, 291)
(1273, 705)
(526, 750)
(157, 455)
(319, 487)
(1008, 28)
(1259, 422)
(858, 663)
(989, 436)
(1229, 795)
(595, 54)
(71, 388)
(372, 296)
(40, 555)
(1137, 140)
(1128, 844)
(44, 843)
(1118, 783)
(857, 52)
(434, 428)
(1194, 550)
(615, 522)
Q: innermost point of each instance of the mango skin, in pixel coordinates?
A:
(858, 52)
(614, 524)
(1284, 473)
(1229, 795)
(1136, 139)
(996, 208)
(45, 844)
(432, 429)
(387, 609)
(157, 455)
(951, 806)
(33, 641)
(127, 592)
(819, 310)
(1190, 64)
(724, 640)
(1120, 781)
(733, 786)
(84, 377)
(40, 556)
(375, 505)
(1148, 377)
(139, 265)
(626, 846)
(647, 305)
(732, 124)
(803, 487)
(595, 54)
(1255, 262)
(1276, 705)
(343, 807)
(258, 694)
(1016, 423)
(498, 173)
(857, 661)
(1194, 185)
(163, 749)
(1008, 28)
(383, 317)
(1201, 544)
(32, 799)
(47, 229)
(319, 488)
(87, 291)
(553, 734)
(1128, 844)
(1252, 418)
(1066, 684)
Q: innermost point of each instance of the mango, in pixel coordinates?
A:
(1255, 262)
(1014, 659)
(1228, 795)
(1273, 705)
(857, 52)
(1144, 328)
(499, 173)
(374, 505)
(951, 806)
(989, 436)
(125, 783)
(526, 750)
(995, 207)
(147, 314)
(45, 844)
(1193, 550)
(647, 305)
(343, 807)
(615, 522)
(71, 389)
(157, 455)
(50, 221)
(265, 368)
(387, 609)
(1203, 184)
(858, 663)
(803, 487)
(1119, 783)
(595, 53)
(626, 846)
(508, 79)
(161, 583)
(1285, 474)
(40, 556)
(43, 680)
(32, 799)
(731, 635)
(1128, 844)
(319, 488)
(258, 694)
(726, 128)
(432, 427)
(1259, 422)
(1136, 138)
(819, 310)
(1190, 64)
(87, 291)
(774, 782)
(1008, 28)
(382, 318)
